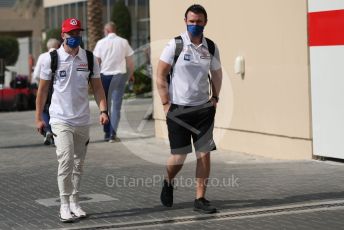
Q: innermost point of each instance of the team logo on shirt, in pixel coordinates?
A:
(205, 54)
(83, 65)
(63, 73)
(206, 57)
(187, 57)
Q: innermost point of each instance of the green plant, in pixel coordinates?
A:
(121, 17)
(9, 50)
(143, 82)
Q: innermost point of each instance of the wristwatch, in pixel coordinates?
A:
(216, 98)
(104, 111)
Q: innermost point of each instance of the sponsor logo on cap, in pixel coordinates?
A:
(73, 22)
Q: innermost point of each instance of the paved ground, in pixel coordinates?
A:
(122, 183)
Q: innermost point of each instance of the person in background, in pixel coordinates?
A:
(114, 55)
(52, 44)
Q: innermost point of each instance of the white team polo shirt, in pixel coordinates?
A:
(69, 102)
(113, 50)
(189, 85)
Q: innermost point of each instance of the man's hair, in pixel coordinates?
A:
(111, 25)
(53, 43)
(197, 9)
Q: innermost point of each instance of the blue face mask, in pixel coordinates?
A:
(195, 30)
(73, 42)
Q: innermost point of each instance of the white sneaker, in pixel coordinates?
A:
(65, 214)
(77, 211)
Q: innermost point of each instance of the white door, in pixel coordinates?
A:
(326, 46)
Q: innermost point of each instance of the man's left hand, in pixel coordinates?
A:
(132, 78)
(214, 102)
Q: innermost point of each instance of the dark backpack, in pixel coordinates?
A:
(53, 67)
(179, 48)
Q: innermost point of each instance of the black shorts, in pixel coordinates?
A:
(184, 122)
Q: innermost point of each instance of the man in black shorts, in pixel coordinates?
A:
(189, 106)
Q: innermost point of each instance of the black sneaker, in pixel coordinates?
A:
(48, 139)
(114, 139)
(202, 205)
(166, 196)
(106, 137)
(52, 142)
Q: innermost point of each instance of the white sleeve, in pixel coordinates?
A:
(45, 72)
(37, 70)
(96, 69)
(129, 50)
(167, 54)
(215, 63)
(96, 51)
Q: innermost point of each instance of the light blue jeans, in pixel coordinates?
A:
(114, 86)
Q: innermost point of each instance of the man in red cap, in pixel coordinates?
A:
(69, 111)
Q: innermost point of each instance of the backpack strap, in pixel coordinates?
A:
(211, 46)
(90, 63)
(53, 64)
(179, 48)
(211, 49)
(53, 67)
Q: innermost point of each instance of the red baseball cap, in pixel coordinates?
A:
(71, 24)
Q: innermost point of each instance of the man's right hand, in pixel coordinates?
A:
(103, 118)
(40, 124)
